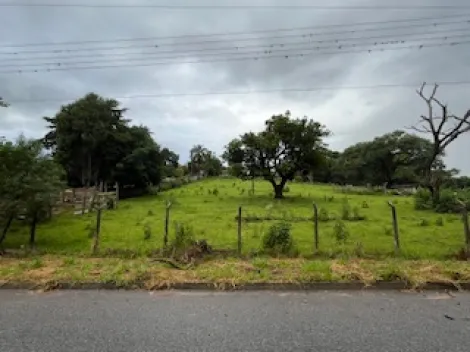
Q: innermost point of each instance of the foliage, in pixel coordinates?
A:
(278, 239)
(340, 232)
(448, 201)
(94, 143)
(205, 161)
(184, 237)
(285, 147)
(30, 183)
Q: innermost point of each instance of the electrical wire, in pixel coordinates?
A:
(248, 92)
(209, 42)
(234, 7)
(251, 58)
(220, 34)
(277, 48)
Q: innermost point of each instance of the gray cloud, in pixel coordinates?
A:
(212, 120)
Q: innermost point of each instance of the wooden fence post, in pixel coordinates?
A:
(315, 226)
(167, 222)
(96, 239)
(239, 244)
(117, 193)
(466, 228)
(395, 227)
(84, 196)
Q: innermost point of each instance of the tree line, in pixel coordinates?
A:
(90, 142)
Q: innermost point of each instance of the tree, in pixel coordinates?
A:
(30, 183)
(395, 157)
(204, 160)
(85, 137)
(94, 143)
(170, 162)
(3, 103)
(141, 162)
(443, 129)
(285, 147)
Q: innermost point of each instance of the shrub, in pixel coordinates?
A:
(340, 232)
(184, 237)
(365, 205)
(298, 178)
(440, 221)
(346, 211)
(147, 232)
(423, 222)
(323, 215)
(357, 215)
(278, 239)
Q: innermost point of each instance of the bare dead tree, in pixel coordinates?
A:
(443, 128)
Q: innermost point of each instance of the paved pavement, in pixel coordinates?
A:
(70, 321)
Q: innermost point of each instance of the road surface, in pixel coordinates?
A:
(246, 321)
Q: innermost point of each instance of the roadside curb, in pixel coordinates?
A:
(224, 286)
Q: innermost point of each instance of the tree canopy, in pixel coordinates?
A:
(93, 142)
(285, 147)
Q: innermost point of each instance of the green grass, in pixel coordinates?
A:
(210, 208)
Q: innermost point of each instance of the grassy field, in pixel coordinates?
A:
(210, 208)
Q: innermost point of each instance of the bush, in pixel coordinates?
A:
(184, 237)
(423, 222)
(323, 215)
(448, 200)
(440, 221)
(346, 211)
(278, 239)
(340, 232)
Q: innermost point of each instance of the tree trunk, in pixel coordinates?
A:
(6, 228)
(278, 191)
(32, 233)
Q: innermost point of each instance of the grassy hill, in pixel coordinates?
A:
(210, 208)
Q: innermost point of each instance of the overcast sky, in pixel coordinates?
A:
(179, 122)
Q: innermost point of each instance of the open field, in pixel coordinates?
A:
(210, 208)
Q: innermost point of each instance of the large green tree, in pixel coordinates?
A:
(94, 143)
(204, 160)
(286, 146)
(30, 184)
(396, 157)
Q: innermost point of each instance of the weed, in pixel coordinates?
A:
(365, 205)
(357, 215)
(440, 221)
(323, 215)
(340, 232)
(423, 222)
(242, 191)
(278, 239)
(184, 236)
(215, 192)
(286, 189)
(147, 232)
(346, 211)
(150, 212)
(388, 231)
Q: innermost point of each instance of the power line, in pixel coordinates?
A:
(236, 7)
(251, 58)
(348, 25)
(248, 92)
(239, 49)
(208, 42)
(278, 48)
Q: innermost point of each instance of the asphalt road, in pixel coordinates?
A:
(246, 321)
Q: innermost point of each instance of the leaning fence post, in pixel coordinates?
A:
(315, 226)
(239, 245)
(395, 227)
(466, 228)
(167, 222)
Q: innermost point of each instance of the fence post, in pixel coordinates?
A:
(167, 222)
(395, 227)
(466, 228)
(239, 244)
(98, 229)
(117, 193)
(315, 226)
(84, 199)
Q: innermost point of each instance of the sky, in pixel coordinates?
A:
(363, 94)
